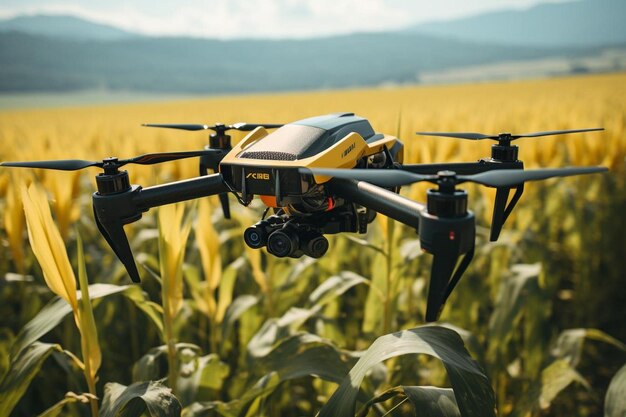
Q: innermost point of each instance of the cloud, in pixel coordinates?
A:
(227, 19)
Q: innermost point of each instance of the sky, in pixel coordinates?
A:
(227, 19)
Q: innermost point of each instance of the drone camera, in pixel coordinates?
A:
(284, 242)
(284, 239)
(256, 235)
(316, 247)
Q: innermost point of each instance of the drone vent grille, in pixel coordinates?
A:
(269, 155)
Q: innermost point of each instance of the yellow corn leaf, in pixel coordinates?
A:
(64, 187)
(173, 234)
(48, 246)
(209, 246)
(254, 257)
(14, 222)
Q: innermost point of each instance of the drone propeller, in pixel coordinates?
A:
(111, 215)
(390, 178)
(504, 137)
(446, 228)
(217, 127)
(217, 141)
(113, 163)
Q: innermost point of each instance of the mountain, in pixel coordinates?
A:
(65, 27)
(191, 65)
(573, 23)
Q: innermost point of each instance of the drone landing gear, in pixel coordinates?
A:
(447, 231)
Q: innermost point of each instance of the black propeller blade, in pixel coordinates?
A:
(75, 164)
(496, 178)
(510, 177)
(218, 127)
(63, 165)
(505, 136)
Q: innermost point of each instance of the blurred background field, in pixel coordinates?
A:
(553, 281)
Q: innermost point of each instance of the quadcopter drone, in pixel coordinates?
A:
(323, 175)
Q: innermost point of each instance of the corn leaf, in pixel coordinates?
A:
(48, 245)
(426, 401)
(90, 346)
(174, 230)
(276, 329)
(615, 400)
(295, 357)
(432, 401)
(511, 300)
(335, 286)
(226, 287)
(473, 391)
(148, 367)
(70, 398)
(203, 376)
(209, 246)
(136, 399)
(235, 310)
(553, 380)
(22, 370)
(54, 312)
(570, 342)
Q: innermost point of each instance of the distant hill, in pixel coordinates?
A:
(575, 24)
(67, 27)
(190, 65)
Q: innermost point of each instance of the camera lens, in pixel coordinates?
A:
(316, 247)
(282, 243)
(255, 237)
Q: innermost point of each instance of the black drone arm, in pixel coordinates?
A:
(113, 210)
(446, 238)
(378, 199)
(174, 192)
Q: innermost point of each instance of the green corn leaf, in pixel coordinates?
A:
(432, 401)
(54, 312)
(24, 367)
(298, 356)
(209, 409)
(365, 244)
(473, 392)
(426, 401)
(615, 400)
(510, 301)
(235, 310)
(570, 342)
(553, 380)
(276, 329)
(148, 367)
(380, 398)
(335, 286)
(133, 401)
(200, 377)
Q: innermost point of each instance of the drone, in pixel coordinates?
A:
(323, 175)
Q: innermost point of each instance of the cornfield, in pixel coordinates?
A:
(219, 329)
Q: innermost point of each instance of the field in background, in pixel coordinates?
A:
(575, 229)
